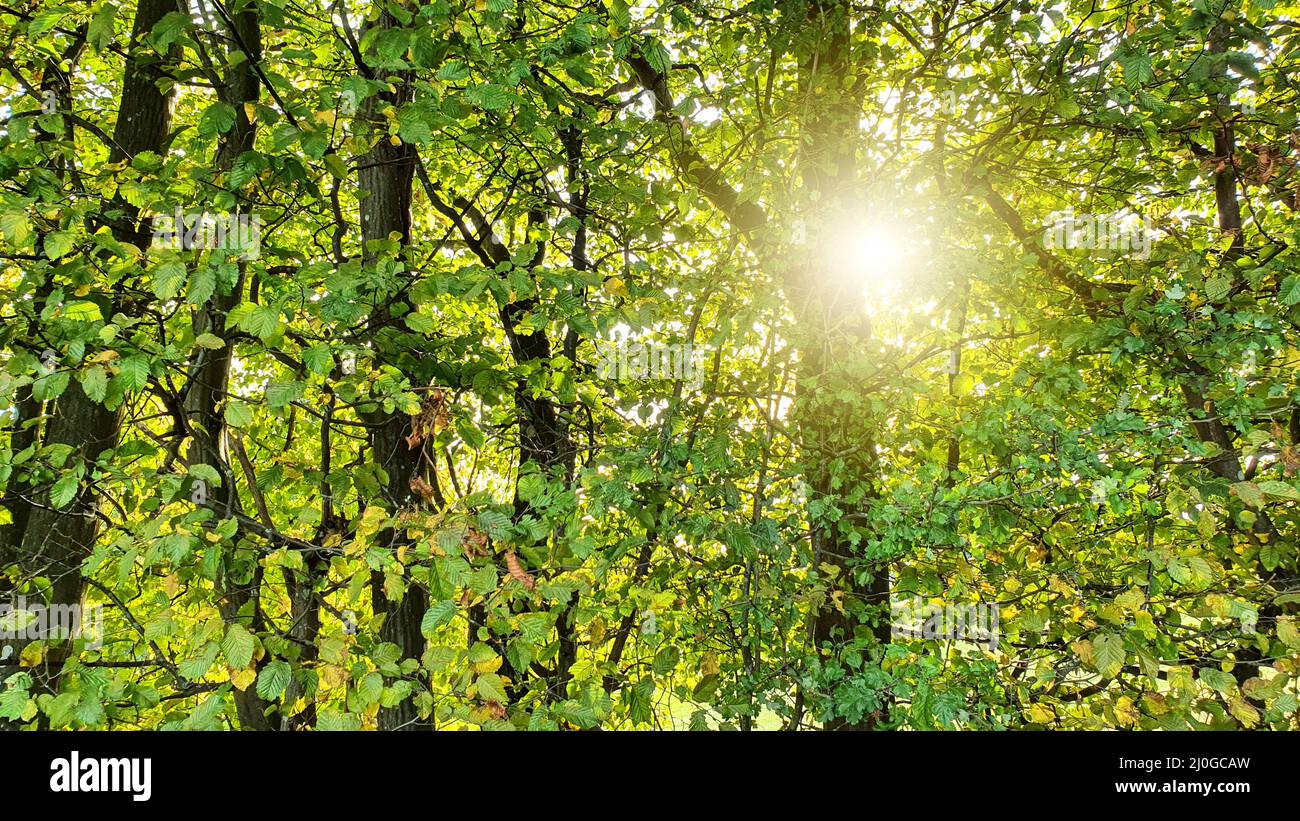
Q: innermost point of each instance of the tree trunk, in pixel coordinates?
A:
(205, 394)
(385, 174)
(830, 310)
(54, 542)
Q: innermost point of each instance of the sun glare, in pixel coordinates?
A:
(875, 256)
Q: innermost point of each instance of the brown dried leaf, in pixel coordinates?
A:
(475, 543)
(1290, 460)
(517, 571)
(1267, 165)
(433, 416)
(421, 488)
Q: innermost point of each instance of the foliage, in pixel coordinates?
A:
(1102, 445)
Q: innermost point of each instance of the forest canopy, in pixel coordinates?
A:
(786, 364)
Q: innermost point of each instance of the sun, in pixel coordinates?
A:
(875, 255)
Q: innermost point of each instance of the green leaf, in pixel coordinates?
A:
(657, 56)
(1244, 64)
(488, 96)
(280, 394)
(369, 689)
(1287, 632)
(134, 372)
(167, 280)
(238, 646)
(15, 227)
(1282, 490)
(196, 667)
(58, 244)
(335, 165)
(1249, 493)
(1217, 288)
(319, 359)
(238, 414)
(206, 473)
(1109, 655)
(83, 310)
(100, 31)
(95, 383)
(1290, 290)
(496, 523)
(1178, 571)
(263, 321)
(453, 71)
(273, 680)
(438, 614)
(64, 490)
(334, 721)
(1217, 680)
(203, 284)
(13, 704)
(1270, 555)
(490, 688)
(412, 128)
(51, 386)
(218, 118)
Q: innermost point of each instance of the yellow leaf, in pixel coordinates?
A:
(837, 599)
(1244, 712)
(33, 654)
(1132, 599)
(1155, 703)
(1039, 714)
(488, 666)
(1287, 633)
(334, 649)
(332, 675)
(1126, 712)
(242, 678)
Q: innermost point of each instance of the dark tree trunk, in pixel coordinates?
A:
(385, 175)
(239, 583)
(54, 542)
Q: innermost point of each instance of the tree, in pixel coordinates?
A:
(804, 364)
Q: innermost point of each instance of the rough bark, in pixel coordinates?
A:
(385, 176)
